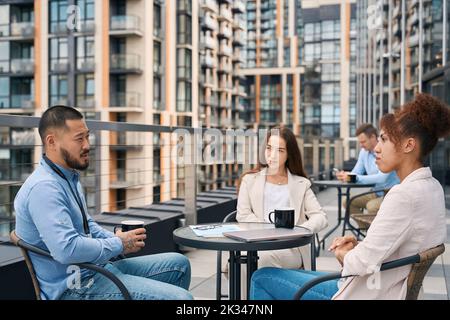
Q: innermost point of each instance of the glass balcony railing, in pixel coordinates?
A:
(61, 65)
(126, 100)
(126, 24)
(22, 66)
(86, 64)
(210, 5)
(126, 63)
(22, 29)
(127, 178)
(22, 101)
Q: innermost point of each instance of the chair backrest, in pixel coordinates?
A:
(17, 241)
(419, 270)
(231, 217)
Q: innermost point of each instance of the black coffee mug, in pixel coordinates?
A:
(351, 177)
(284, 218)
(128, 225)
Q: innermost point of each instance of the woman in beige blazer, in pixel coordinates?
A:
(411, 218)
(280, 181)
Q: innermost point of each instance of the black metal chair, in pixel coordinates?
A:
(231, 217)
(26, 248)
(362, 218)
(421, 262)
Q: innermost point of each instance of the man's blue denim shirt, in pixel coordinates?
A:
(48, 216)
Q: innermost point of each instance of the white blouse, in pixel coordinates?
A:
(275, 196)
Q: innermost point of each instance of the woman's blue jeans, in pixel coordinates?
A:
(282, 284)
(164, 276)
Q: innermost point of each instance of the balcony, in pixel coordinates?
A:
(126, 63)
(225, 68)
(208, 62)
(125, 102)
(125, 25)
(238, 58)
(413, 3)
(225, 14)
(238, 6)
(23, 30)
(86, 64)
(396, 12)
(208, 42)
(414, 40)
(22, 66)
(85, 102)
(127, 179)
(225, 50)
(413, 19)
(225, 31)
(208, 23)
(238, 40)
(59, 28)
(59, 66)
(23, 101)
(210, 5)
(128, 140)
(87, 26)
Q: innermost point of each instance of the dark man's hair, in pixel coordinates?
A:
(368, 129)
(55, 118)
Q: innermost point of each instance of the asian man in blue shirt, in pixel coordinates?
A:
(51, 213)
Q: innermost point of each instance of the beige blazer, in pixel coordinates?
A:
(308, 212)
(411, 219)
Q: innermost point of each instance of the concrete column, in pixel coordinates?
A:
(284, 98)
(345, 74)
(316, 156)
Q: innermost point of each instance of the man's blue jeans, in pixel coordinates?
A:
(282, 284)
(164, 276)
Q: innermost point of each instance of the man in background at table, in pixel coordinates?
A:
(367, 172)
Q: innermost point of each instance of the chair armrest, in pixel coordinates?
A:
(101, 270)
(125, 293)
(337, 275)
(311, 283)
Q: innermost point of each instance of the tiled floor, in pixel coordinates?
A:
(436, 284)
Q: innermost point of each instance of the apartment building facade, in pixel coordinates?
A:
(403, 49)
(171, 62)
(273, 63)
(329, 82)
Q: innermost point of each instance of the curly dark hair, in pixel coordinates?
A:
(425, 118)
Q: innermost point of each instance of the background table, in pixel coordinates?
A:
(186, 237)
(339, 185)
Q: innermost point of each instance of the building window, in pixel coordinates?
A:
(184, 22)
(331, 29)
(157, 23)
(58, 90)
(59, 55)
(4, 92)
(184, 63)
(85, 91)
(58, 16)
(157, 93)
(85, 53)
(312, 51)
(184, 97)
(330, 50)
